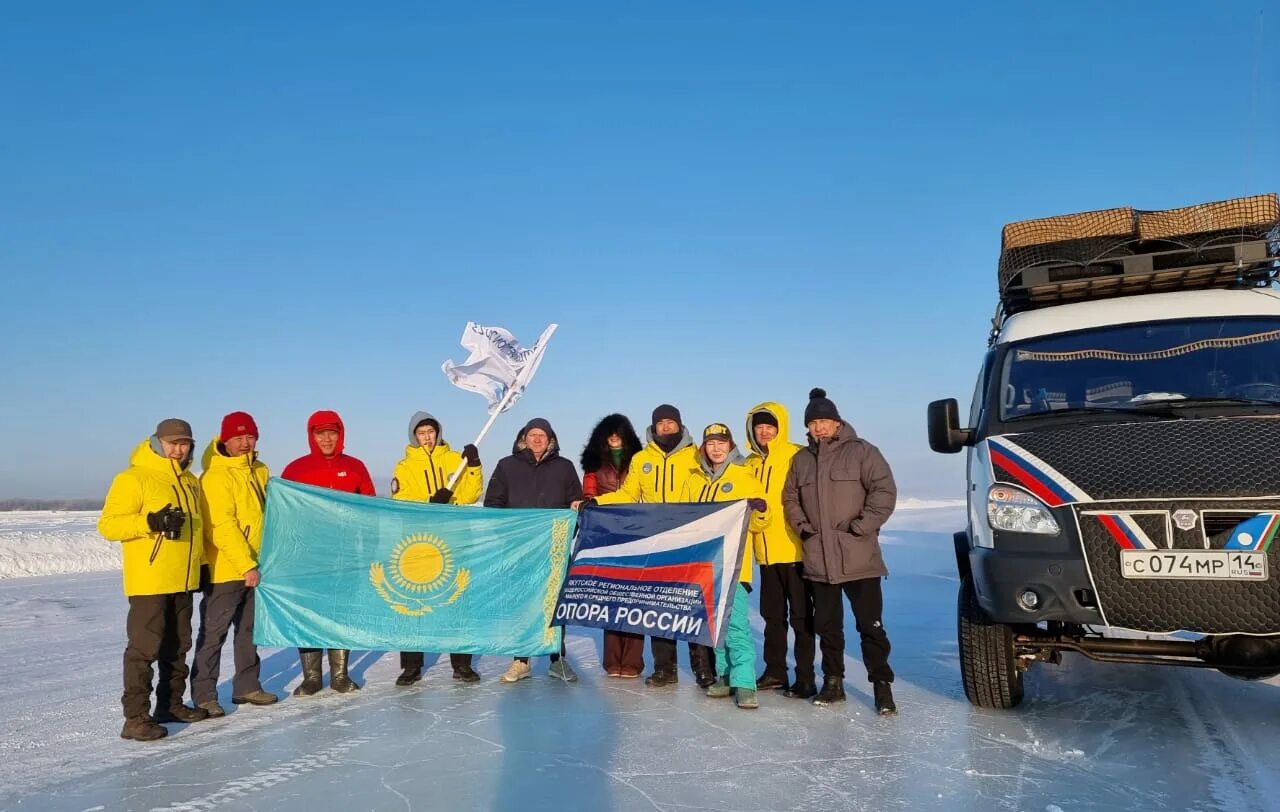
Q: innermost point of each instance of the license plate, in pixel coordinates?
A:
(1210, 565)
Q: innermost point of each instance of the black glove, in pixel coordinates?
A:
(758, 505)
(471, 454)
(441, 497)
(590, 501)
(167, 520)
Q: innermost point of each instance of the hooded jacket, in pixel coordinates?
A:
(732, 481)
(837, 496)
(340, 472)
(421, 472)
(233, 494)
(520, 481)
(778, 543)
(654, 475)
(600, 474)
(151, 483)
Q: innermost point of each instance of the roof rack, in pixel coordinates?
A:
(1125, 252)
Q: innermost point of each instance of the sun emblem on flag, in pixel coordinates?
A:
(419, 576)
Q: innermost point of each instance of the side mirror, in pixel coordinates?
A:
(945, 434)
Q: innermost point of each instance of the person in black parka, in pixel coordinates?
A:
(535, 476)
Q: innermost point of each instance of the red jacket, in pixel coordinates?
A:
(340, 472)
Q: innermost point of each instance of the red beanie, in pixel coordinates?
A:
(236, 424)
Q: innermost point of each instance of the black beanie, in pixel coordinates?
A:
(764, 419)
(430, 421)
(819, 408)
(666, 412)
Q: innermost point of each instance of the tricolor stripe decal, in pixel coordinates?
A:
(1034, 474)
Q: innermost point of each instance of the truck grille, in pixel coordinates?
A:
(1159, 605)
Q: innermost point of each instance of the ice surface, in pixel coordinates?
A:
(1088, 737)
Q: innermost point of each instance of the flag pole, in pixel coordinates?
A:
(453, 480)
(512, 391)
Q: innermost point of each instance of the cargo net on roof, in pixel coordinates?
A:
(1117, 252)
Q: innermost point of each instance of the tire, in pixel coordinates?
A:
(988, 664)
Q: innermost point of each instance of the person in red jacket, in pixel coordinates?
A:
(327, 467)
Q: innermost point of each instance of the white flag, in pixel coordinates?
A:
(497, 367)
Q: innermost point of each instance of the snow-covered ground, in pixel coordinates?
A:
(1088, 737)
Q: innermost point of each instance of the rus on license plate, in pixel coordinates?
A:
(1214, 565)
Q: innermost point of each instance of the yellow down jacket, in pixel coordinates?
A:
(655, 476)
(734, 482)
(778, 543)
(233, 495)
(151, 483)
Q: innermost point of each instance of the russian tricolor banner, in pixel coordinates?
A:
(658, 570)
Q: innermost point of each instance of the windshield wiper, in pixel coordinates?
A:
(1209, 401)
(1104, 409)
(1169, 407)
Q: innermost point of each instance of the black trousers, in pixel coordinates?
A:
(416, 659)
(701, 658)
(828, 613)
(222, 606)
(159, 631)
(785, 596)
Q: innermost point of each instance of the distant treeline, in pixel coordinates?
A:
(50, 504)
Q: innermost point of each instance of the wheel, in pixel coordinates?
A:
(988, 664)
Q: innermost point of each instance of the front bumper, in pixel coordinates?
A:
(1059, 578)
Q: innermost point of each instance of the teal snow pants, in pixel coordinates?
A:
(736, 658)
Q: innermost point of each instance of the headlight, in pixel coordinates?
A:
(1018, 512)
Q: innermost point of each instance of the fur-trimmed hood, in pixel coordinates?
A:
(596, 451)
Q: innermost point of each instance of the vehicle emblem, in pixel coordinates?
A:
(1185, 519)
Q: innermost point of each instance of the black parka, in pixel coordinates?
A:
(520, 481)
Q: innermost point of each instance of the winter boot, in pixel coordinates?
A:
(561, 670)
(180, 713)
(662, 677)
(338, 678)
(719, 689)
(832, 691)
(462, 670)
(801, 690)
(142, 730)
(702, 660)
(409, 676)
(212, 708)
(258, 697)
(747, 699)
(769, 682)
(519, 670)
(884, 699)
(312, 675)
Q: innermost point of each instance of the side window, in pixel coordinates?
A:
(980, 391)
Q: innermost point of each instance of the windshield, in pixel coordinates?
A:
(1129, 366)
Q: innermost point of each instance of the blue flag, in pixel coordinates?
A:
(357, 572)
(661, 570)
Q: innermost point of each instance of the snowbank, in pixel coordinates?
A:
(45, 542)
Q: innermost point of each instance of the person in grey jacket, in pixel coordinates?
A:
(839, 492)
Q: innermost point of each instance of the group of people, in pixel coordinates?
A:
(815, 514)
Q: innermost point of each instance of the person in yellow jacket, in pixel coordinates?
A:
(423, 476)
(153, 510)
(784, 594)
(233, 492)
(658, 474)
(721, 477)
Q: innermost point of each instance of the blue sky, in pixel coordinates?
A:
(295, 206)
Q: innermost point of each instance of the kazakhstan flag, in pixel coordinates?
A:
(359, 572)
